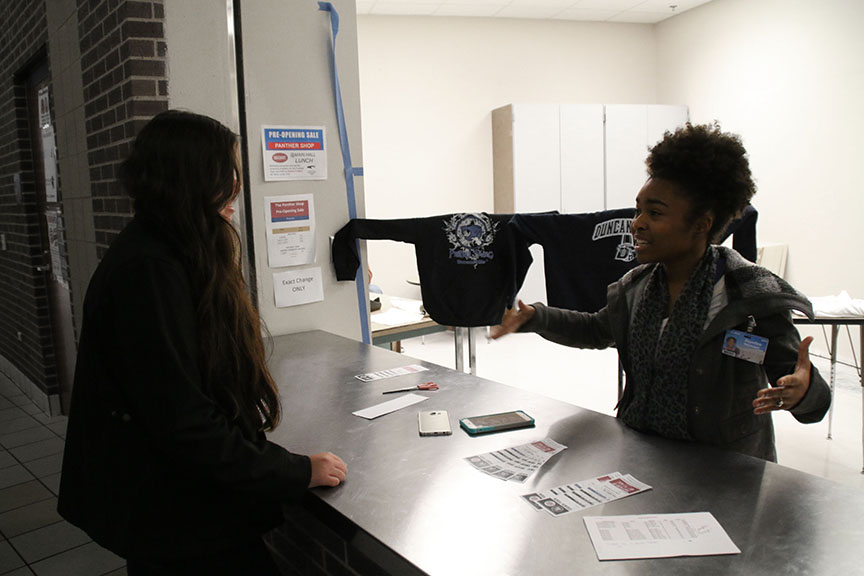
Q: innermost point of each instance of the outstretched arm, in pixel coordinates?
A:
(514, 318)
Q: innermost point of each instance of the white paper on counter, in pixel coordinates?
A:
(517, 463)
(390, 406)
(585, 493)
(658, 536)
(390, 373)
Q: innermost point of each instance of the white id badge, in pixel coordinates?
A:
(745, 346)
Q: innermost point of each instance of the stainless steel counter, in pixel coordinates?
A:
(419, 498)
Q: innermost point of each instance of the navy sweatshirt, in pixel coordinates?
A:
(582, 254)
(471, 265)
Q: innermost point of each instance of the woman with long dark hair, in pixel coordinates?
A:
(166, 462)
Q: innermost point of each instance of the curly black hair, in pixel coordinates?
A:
(710, 166)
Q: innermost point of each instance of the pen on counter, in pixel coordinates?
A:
(427, 386)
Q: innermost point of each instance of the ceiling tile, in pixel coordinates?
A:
(606, 5)
(638, 17)
(649, 5)
(585, 15)
(496, 3)
(560, 4)
(470, 10)
(635, 11)
(523, 11)
(404, 8)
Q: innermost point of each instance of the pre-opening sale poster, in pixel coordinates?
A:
(294, 153)
(290, 230)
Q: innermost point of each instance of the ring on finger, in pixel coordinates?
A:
(780, 403)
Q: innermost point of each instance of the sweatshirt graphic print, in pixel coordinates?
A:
(471, 265)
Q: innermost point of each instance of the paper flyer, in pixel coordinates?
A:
(294, 153)
(516, 464)
(290, 224)
(381, 374)
(584, 494)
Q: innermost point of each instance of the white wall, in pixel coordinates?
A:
(200, 59)
(288, 72)
(788, 76)
(288, 81)
(785, 74)
(428, 88)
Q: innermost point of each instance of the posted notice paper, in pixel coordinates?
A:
(297, 287)
(290, 224)
(293, 153)
(658, 536)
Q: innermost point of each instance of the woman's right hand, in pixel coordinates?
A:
(513, 319)
(327, 470)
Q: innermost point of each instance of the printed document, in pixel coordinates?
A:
(658, 536)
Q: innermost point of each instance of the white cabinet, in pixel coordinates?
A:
(582, 165)
(631, 130)
(572, 158)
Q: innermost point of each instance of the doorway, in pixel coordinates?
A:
(54, 263)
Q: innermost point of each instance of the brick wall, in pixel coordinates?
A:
(123, 81)
(23, 292)
(123, 67)
(317, 541)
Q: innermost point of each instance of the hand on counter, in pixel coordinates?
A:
(327, 470)
(513, 319)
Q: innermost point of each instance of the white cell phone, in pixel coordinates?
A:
(434, 423)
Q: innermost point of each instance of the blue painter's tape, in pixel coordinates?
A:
(350, 170)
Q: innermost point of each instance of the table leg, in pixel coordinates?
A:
(460, 360)
(472, 352)
(835, 329)
(620, 379)
(861, 377)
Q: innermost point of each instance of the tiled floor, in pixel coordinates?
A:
(34, 539)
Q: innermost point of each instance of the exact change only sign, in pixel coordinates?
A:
(294, 153)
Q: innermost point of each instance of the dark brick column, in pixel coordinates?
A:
(123, 65)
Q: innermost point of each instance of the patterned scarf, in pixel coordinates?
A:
(660, 361)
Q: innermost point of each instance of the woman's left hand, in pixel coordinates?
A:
(789, 389)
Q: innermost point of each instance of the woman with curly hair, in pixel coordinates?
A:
(166, 462)
(670, 317)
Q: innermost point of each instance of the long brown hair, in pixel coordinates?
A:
(183, 168)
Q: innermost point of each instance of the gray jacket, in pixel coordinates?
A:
(721, 388)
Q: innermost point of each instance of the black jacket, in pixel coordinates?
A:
(721, 388)
(153, 468)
